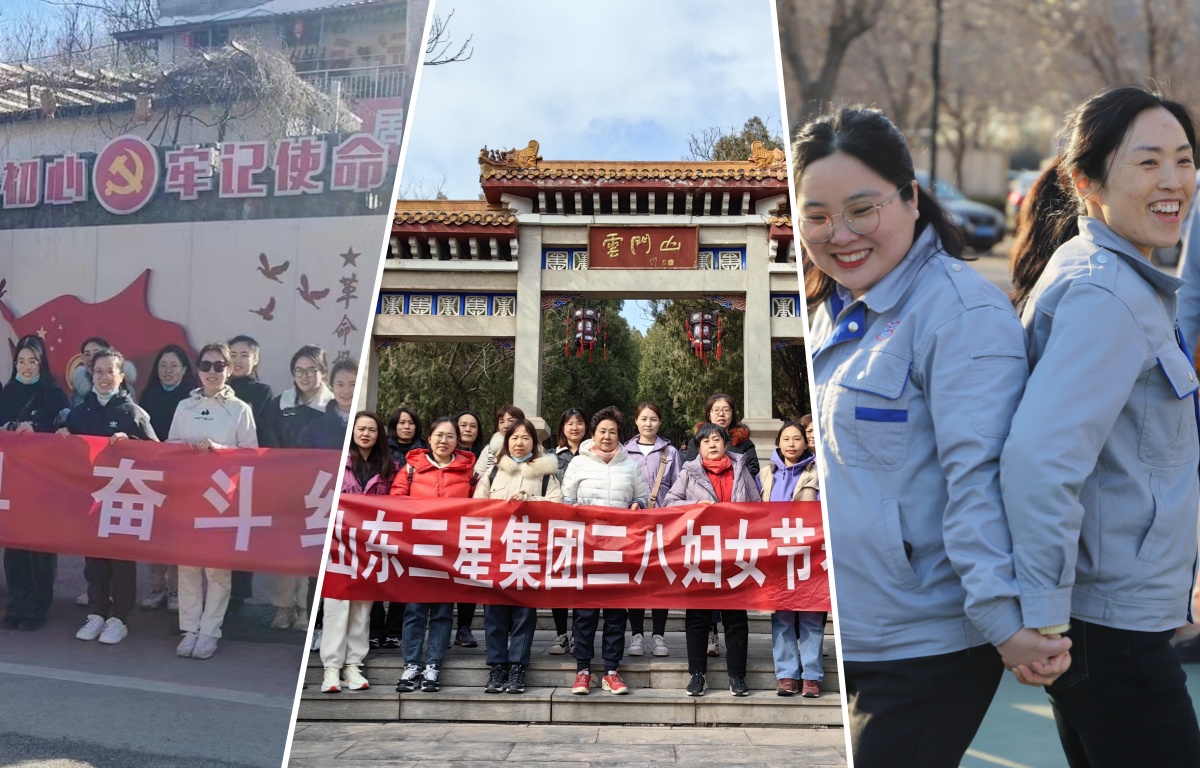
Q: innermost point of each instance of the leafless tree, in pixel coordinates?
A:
(439, 44)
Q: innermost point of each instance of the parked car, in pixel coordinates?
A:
(982, 226)
(1018, 189)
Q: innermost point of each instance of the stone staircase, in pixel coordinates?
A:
(657, 688)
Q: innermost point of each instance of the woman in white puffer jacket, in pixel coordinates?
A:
(212, 417)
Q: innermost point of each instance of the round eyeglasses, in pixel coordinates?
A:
(860, 218)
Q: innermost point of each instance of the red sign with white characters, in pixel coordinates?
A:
(243, 509)
(125, 176)
(542, 554)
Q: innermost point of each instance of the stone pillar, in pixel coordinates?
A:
(368, 396)
(527, 370)
(758, 405)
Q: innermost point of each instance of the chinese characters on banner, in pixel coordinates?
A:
(632, 247)
(127, 173)
(260, 510)
(541, 554)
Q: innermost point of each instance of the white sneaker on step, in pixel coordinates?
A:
(92, 628)
(114, 631)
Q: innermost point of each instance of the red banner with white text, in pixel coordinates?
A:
(245, 509)
(547, 555)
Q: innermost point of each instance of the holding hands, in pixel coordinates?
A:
(1034, 658)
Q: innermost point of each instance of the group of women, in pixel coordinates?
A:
(588, 466)
(1010, 481)
(210, 403)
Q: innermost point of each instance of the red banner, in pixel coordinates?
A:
(546, 555)
(253, 510)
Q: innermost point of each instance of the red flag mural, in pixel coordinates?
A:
(263, 509)
(541, 554)
(125, 321)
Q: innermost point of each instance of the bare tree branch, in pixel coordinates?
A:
(437, 47)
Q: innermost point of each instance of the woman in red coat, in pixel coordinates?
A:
(439, 471)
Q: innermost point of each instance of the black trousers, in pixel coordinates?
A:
(466, 614)
(698, 622)
(387, 622)
(637, 621)
(30, 578)
(921, 712)
(1124, 701)
(560, 620)
(583, 625)
(112, 586)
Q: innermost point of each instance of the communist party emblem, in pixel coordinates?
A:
(125, 175)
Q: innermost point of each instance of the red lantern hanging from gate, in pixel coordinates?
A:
(586, 326)
(704, 334)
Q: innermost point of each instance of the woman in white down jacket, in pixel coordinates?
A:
(212, 417)
(521, 473)
(602, 475)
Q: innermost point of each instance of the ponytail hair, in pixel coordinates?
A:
(870, 137)
(1094, 131)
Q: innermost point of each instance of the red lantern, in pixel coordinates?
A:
(585, 327)
(704, 334)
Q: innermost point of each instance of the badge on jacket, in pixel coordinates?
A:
(888, 330)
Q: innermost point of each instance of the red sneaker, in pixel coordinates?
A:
(583, 682)
(810, 689)
(615, 684)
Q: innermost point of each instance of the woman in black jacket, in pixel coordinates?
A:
(30, 402)
(108, 411)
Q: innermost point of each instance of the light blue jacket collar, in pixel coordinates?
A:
(892, 287)
(1102, 235)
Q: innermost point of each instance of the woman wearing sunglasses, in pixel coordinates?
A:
(211, 418)
(918, 366)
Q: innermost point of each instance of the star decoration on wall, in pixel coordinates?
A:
(350, 258)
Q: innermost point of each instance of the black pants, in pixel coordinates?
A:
(584, 623)
(1124, 701)
(637, 621)
(241, 587)
(560, 620)
(466, 614)
(698, 622)
(921, 712)
(30, 577)
(112, 586)
(387, 622)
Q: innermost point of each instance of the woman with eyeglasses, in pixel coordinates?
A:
(918, 366)
(30, 402)
(211, 418)
(171, 380)
(288, 415)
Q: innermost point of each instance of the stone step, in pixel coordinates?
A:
(559, 705)
(759, 621)
(467, 667)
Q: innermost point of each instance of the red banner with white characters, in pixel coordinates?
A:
(245, 509)
(547, 555)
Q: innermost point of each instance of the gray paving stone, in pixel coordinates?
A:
(315, 749)
(743, 755)
(433, 751)
(350, 732)
(529, 734)
(606, 754)
(335, 763)
(804, 737)
(673, 736)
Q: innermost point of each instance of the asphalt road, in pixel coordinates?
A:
(71, 704)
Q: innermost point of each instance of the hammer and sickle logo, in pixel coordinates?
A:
(133, 178)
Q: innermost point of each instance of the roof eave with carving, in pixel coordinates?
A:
(453, 216)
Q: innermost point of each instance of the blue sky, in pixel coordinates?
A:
(617, 80)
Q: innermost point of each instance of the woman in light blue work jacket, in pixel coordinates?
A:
(1099, 474)
(918, 365)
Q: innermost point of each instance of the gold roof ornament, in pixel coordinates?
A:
(767, 158)
(509, 158)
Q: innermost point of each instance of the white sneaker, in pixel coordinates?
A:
(283, 618)
(560, 645)
(659, 646)
(82, 599)
(91, 628)
(114, 631)
(173, 601)
(156, 599)
(331, 682)
(205, 647)
(301, 622)
(187, 645)
(637, 645)
(316, 643)
(353, 677)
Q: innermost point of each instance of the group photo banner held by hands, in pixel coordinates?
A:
(545, 555)
(244, 509)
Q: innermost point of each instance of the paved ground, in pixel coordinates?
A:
(436, 745)
(70, 704)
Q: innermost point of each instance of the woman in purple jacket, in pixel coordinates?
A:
(344, 637)
(660, 463)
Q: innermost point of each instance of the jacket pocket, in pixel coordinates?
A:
(996, 370)
(1169, 415)
(876, 383)
(895, 548)
(1157, 532)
